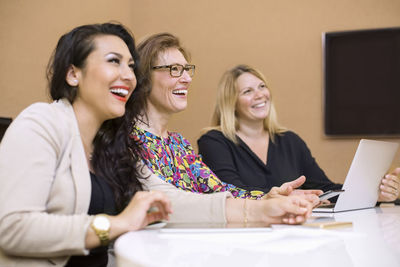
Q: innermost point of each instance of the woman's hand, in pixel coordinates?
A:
(390, 186)
(289, 189)
(143, 209)
(289, 210)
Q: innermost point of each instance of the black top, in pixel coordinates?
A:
(288, 158)
(101, 201)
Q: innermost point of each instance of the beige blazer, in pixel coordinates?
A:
(44, 188)
(188, 206)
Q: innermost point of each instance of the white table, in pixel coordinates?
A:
(373, 240)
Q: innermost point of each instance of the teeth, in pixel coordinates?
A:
(182, 92)
(120, 91)
(259, 105)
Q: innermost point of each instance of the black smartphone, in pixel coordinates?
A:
(329, 194)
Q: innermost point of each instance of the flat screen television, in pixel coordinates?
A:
(362, 82)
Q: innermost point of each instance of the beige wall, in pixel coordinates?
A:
(29, 31)
(281, 38)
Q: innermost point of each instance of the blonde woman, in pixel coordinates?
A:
(248, 148)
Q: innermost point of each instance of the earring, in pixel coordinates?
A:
(75, 82)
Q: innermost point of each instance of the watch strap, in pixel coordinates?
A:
(102, 234)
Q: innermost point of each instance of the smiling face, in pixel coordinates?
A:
(168, 94)
(106, 81)
(253, 98)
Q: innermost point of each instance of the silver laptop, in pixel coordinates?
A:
(371, 162)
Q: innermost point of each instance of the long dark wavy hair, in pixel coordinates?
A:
(114, 156)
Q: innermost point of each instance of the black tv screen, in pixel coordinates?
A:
(362, 82)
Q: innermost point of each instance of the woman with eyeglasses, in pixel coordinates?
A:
(171, 163)
(247, 147)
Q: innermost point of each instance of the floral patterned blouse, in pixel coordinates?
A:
(174, 161)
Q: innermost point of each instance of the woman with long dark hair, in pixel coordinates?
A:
(68, 177)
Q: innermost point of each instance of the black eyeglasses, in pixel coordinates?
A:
(176, 70)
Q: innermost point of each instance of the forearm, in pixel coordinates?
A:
(291, 210)
(208, 207)
(43, 235)
(242, 210)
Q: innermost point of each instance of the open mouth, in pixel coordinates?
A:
(260, 105)
(180, 92)
(120, 93)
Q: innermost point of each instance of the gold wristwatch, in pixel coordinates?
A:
(101, 226)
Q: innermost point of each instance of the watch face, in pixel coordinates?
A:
(101, 223)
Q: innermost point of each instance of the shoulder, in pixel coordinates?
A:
(36, 110)
(48, 112)
(289, 138)
(43, 129)
(212, 135)
(176, 135)
(179, 139)
(45, 119)
(214, 142)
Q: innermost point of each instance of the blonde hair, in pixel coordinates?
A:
(224, 118)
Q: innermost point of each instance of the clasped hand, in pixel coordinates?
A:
(289, 189)
(389, 187)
